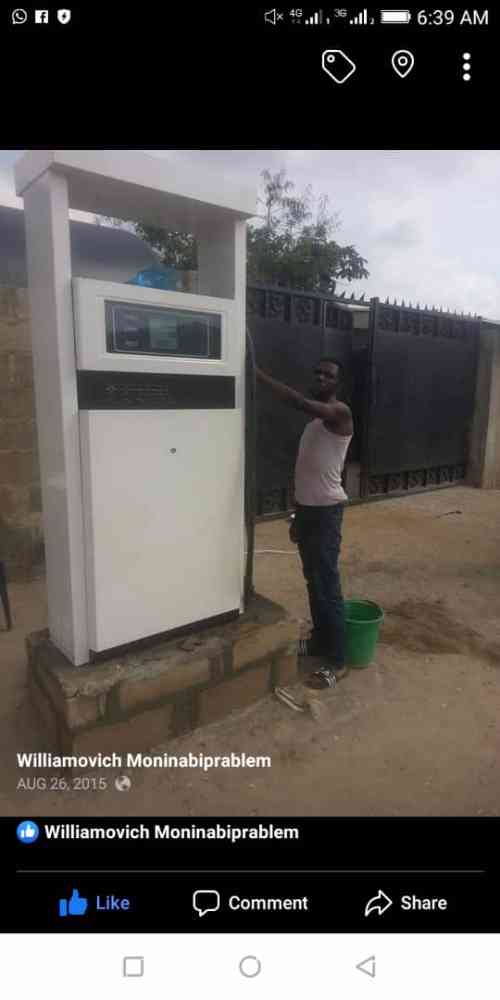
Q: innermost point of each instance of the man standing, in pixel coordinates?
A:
(320, 501)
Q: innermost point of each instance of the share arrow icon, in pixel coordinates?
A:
(378, 904)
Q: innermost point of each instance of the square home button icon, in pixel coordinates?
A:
(133, 966)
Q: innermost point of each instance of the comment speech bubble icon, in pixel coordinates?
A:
(206, 901)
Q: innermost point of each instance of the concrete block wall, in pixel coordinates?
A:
(139, 699)
(21, 533)
(484, 463)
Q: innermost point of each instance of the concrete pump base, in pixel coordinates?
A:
(139, 699)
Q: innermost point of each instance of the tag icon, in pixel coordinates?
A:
(338, 66)
(64, 16)
(403, 62)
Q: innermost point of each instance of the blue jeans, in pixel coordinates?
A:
(318, 537)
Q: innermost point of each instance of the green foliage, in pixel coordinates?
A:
(175, 249)
(303, 262)
(291, 248)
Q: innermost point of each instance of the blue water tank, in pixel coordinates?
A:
(156, 277)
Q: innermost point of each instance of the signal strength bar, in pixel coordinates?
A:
(316, 18)
(360, 18)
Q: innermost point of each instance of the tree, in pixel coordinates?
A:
(175, 249)
(291, 246)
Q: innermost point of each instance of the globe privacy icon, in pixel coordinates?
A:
(64, 16)
(123, 783)
(28, 832)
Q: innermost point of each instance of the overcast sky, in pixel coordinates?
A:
(428, 221)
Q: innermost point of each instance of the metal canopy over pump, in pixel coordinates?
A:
(140, 405)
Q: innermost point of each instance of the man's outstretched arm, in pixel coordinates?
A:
(333, 412)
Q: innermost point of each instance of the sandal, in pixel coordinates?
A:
(325, 678)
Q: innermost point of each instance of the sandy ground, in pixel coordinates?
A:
(416, 733)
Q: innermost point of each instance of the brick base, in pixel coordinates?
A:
(137, 700)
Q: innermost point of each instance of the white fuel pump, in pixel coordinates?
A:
(140, 398)
(159, 378)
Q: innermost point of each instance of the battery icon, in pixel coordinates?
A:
(395, 16)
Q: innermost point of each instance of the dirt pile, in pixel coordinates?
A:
(428, 627)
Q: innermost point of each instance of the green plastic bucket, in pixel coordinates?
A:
(362, 623)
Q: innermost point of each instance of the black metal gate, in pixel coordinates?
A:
(290, 330)
(410, 381)
(418, 377)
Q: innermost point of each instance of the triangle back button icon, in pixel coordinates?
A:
(368, 967)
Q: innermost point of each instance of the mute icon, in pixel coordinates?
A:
(273, 16)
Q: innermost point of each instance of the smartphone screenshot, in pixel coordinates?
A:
(249, 502)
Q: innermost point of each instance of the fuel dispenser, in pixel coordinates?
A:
(162, 459)
(140, 397)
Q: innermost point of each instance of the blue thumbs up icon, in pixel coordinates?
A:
(28, 832)
(74, 907)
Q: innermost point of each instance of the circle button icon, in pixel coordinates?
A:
(250, 966)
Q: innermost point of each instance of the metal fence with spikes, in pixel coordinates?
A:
(272, 301)
(418, 398)
(433, 309)
(427, 321)
(410, 381)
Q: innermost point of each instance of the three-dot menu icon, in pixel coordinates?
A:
(466, 66)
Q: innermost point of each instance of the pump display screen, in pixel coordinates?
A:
(135, 329)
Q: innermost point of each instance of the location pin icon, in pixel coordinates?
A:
(403, 62)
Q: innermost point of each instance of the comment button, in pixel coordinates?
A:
(206, 901)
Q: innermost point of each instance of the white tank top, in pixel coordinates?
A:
(319, 466)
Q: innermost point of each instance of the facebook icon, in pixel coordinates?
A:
(41, 17)
(28, 832)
